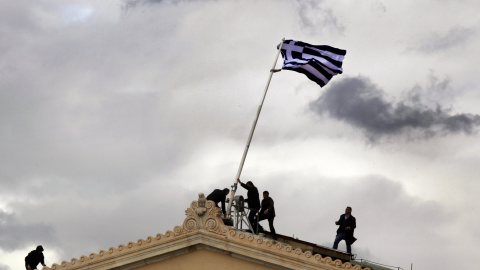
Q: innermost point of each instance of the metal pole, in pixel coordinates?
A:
(234, 187)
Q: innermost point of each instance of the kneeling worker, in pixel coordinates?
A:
(34, 258)
(268, 212)
(217, 196)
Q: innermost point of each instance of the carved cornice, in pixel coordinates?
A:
(202, 216)
(203, 219)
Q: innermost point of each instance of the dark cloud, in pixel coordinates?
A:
(359, 102)
(15, 235)
(456, 36)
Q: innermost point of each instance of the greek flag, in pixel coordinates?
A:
(318, 62)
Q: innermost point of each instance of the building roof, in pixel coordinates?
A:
(203, 229)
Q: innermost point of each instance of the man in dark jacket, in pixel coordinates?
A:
(268, 212)
(34, 258)
(347, 225)
(217, 196)
(253, 200)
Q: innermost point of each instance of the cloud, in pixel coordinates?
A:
(314, 17)
(378, 7)
(362, 104)
(15, 235)
(386, 212)
(456, 36)
(100, 222)
(132, 4)
(387, 215)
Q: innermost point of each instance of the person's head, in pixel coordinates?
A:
(249, 184)
(348, 210)
(39, 249)
(226, 191)
(265, 194)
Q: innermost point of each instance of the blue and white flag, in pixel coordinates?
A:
(318, 62)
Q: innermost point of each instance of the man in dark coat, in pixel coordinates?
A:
(253, 200)
(268, 212)
(218, 195)
(34, 258)
(347, 225)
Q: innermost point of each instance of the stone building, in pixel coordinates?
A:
(203, 241)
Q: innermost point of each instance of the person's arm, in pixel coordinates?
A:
(339, 221)
(223, 207)
(27, 265)
(269, 206)
(42, 260)
(242, 184)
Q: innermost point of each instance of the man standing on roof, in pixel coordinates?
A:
(217, 196)
(347, 225)
(34, 258)
(253, 200)
(267, 212)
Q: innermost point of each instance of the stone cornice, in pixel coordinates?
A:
(203, 226)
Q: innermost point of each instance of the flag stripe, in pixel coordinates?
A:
(335, 65)
(334, 58)
(320, 47)
(312, 74)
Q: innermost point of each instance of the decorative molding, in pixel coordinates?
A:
(203, 220)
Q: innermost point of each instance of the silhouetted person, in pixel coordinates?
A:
(34, 258)
(268, 212)
(347, 225)
(253, 200)
(218, 195)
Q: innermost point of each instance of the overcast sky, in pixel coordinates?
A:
(115, 114)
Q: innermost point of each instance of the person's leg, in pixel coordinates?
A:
(272, 229)
(252, 219)
(338, 238)
(261, 216)
(349, 249)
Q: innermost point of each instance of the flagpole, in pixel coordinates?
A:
(247, 146)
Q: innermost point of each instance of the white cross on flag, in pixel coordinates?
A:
(318, 62)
